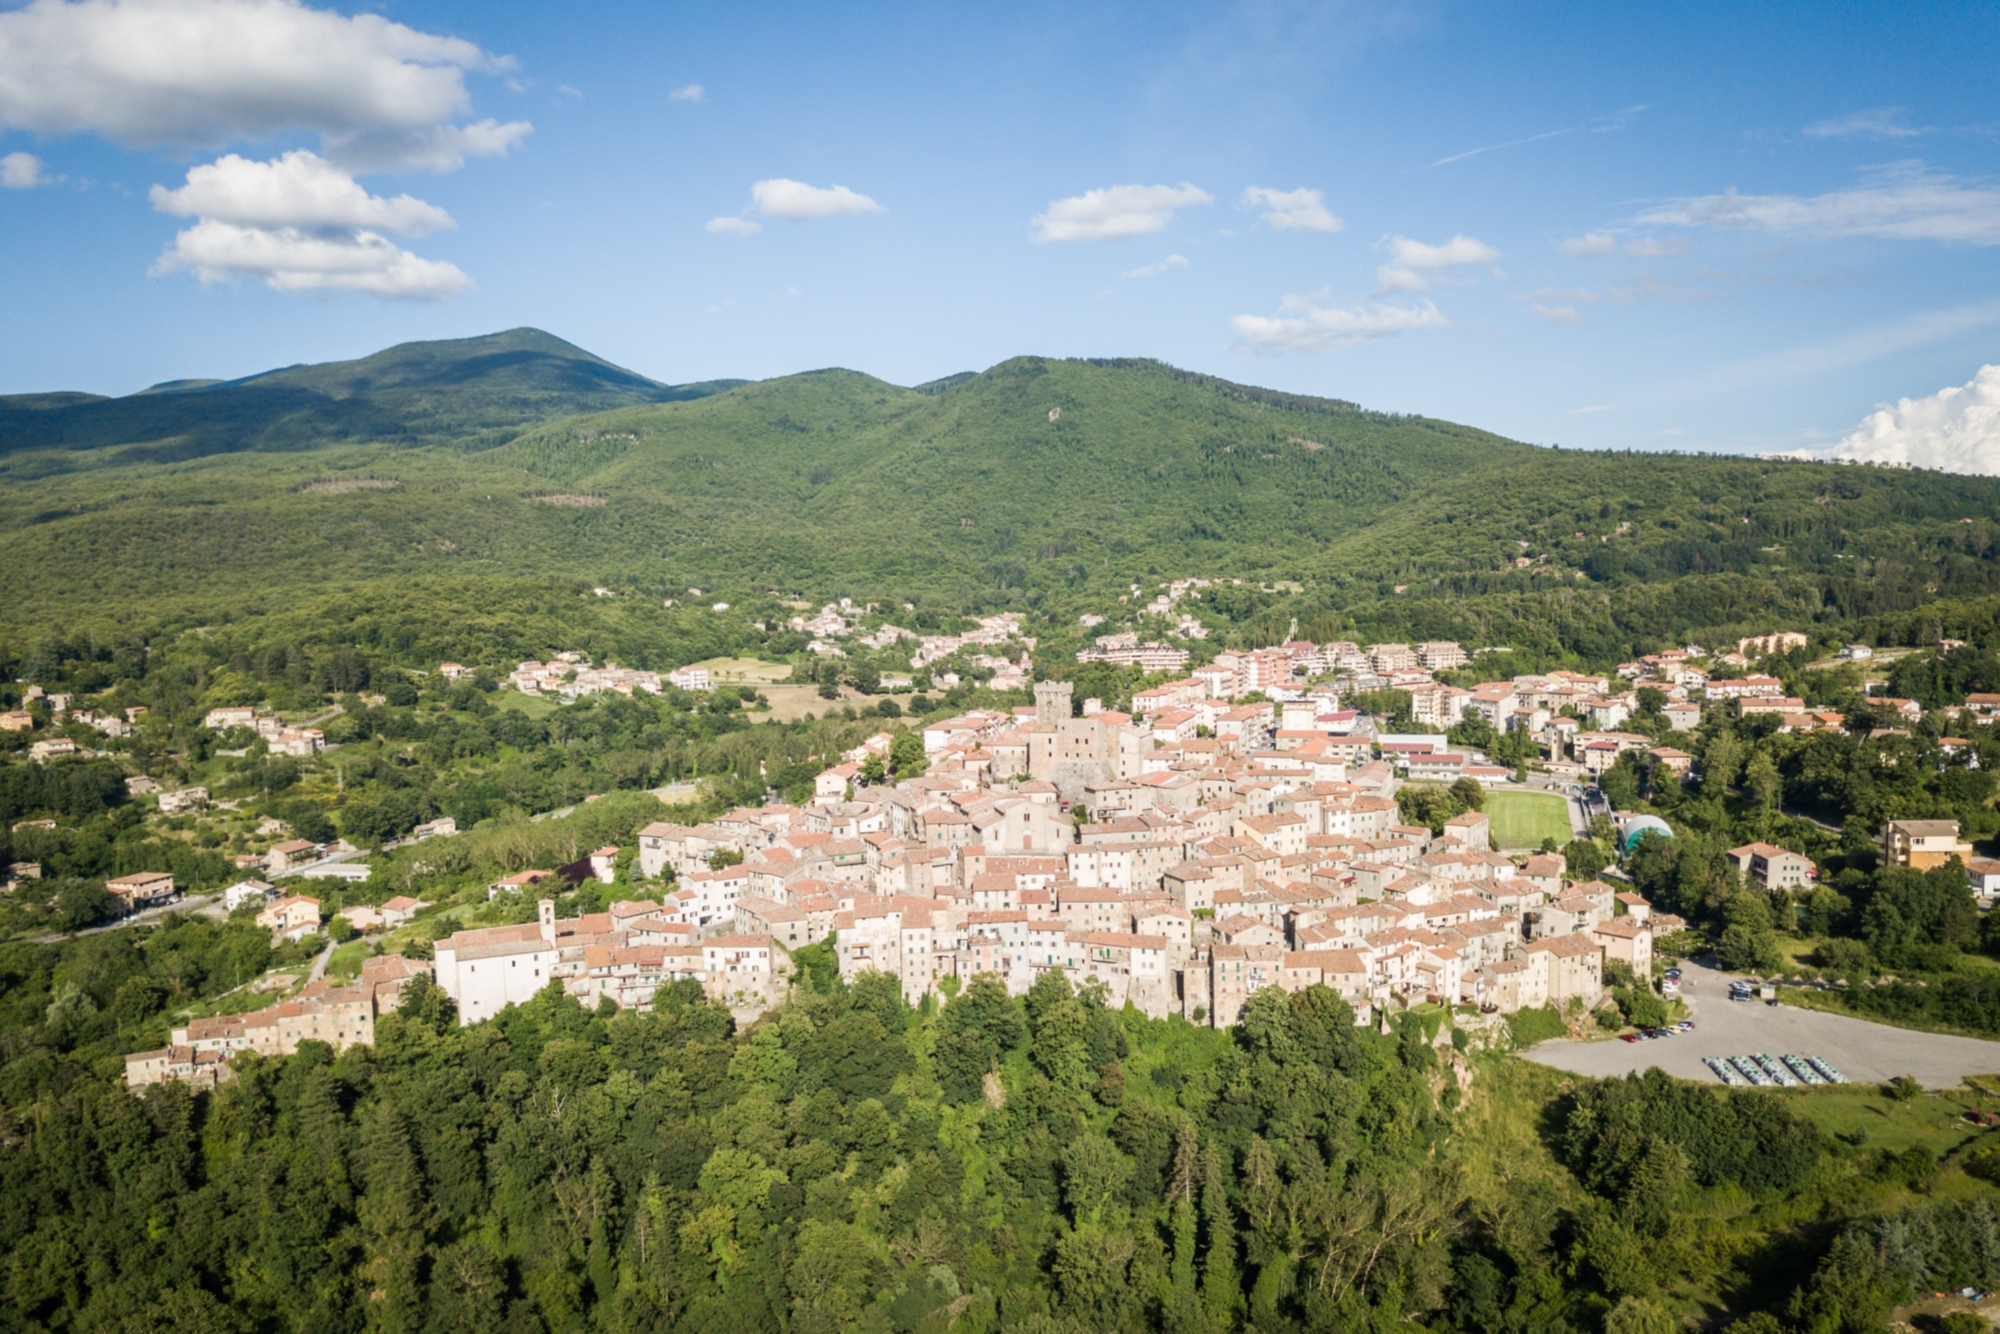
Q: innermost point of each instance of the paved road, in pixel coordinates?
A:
(1864, 1052)
(144, 917)
(319, 964)
(1579, 822)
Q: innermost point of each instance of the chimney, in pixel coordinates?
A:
(548, 907)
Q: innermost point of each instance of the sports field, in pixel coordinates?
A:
(1524, 819)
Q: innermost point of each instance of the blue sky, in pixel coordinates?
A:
(1692, 227)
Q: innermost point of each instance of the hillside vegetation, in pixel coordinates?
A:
(1038, 485)
(470, 391)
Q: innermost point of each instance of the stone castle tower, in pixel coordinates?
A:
(1052, 701)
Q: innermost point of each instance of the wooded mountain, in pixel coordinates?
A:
(469, 391)
(1035, 484)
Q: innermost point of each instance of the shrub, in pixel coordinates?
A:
(1531, 1026)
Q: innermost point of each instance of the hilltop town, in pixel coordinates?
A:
(1239, 828)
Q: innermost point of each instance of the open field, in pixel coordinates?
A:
(347, 960)
(1861, 1114)
(791, 703)
(1524, 819)
(535, 706)
(745, 671)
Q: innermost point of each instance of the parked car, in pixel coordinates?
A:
(1799, 1066)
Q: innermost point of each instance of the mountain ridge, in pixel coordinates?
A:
(473, 391)
(1037, 483)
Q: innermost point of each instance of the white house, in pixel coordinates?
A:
(247, 891)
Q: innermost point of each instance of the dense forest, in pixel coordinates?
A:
(1034, 1164)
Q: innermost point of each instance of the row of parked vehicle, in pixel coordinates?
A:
(1764, 1071)
(1670, 1031)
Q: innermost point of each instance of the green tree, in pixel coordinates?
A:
(979, 1026)
(1469, 794)
(1914, 908)
(1844, 958)
(1762, 778)
(906, 755)
(81, 903)
(1641, 1315)
(1584, 859)
(1721, 760)
(396, 1219)
(1221, 1288)
(1746, 951)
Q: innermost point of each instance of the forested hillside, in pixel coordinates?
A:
(1042, 486)
(472, 392)
(1039, 1165)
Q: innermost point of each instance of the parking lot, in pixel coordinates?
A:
(1864, 1052)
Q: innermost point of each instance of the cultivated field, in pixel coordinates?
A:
(1524, 819)
(745, 671)
(791, 703)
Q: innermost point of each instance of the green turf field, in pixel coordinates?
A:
(1524, 819)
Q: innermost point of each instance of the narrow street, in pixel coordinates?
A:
(145, 917)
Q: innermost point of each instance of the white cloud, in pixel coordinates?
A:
(799, 202)
(1903, 202)
(1414, 266)
(1590, 409)
(1155, 270)
(300, 190)
(287, 259)
(1304, 325)
(157, 72)
(1648, 247)
(438, 148)
(1592, 244)
(692, 92)
(381, 96)
(22, 171)
(1558, 314)
(1589, 245)
(1115, 212)
(1290, 210)
(794, 201)
(1875, 123)
(1956, 429)
(301, 224)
